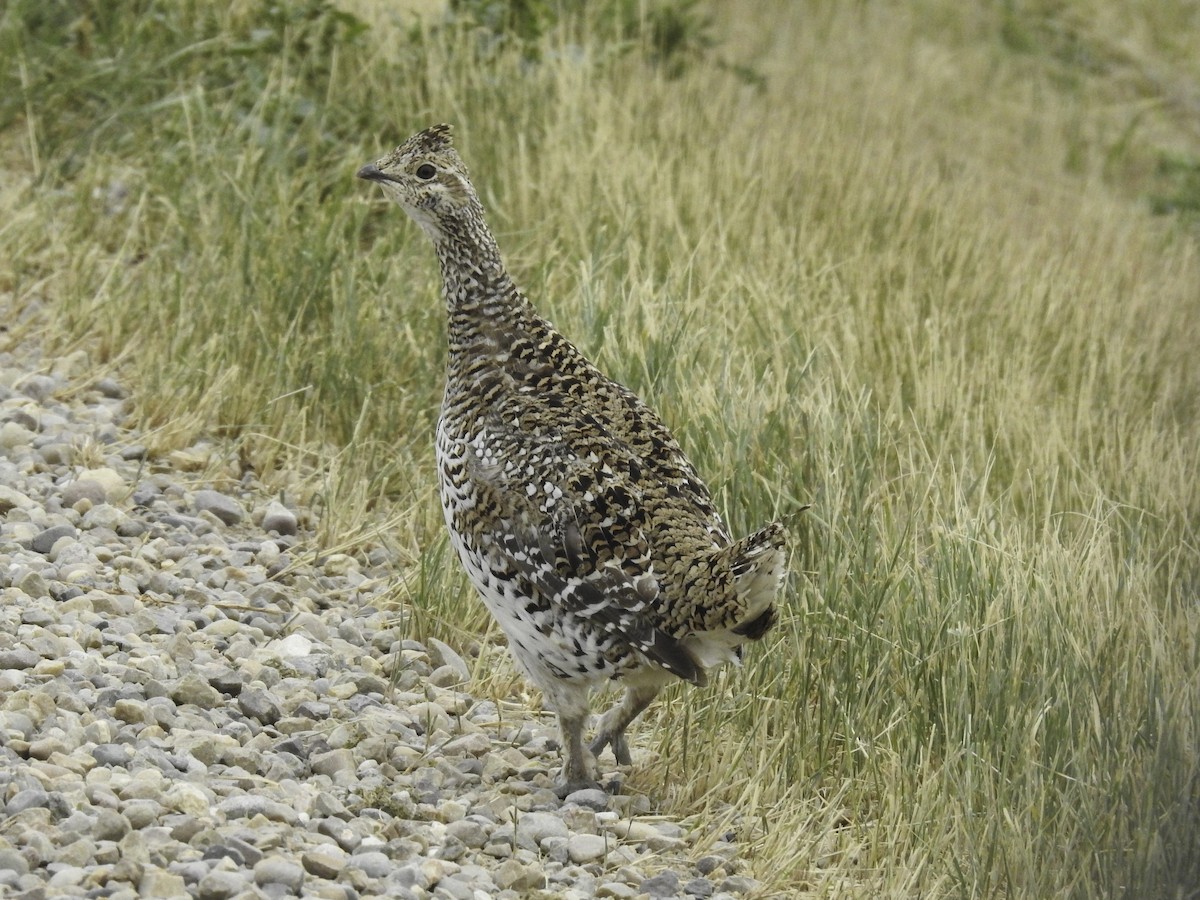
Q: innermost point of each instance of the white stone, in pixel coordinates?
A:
(13, 435)
(114, 485)
(292, 646)
(11, 498)
(187, 798)
(585, 848)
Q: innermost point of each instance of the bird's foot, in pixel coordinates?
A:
(620, 747)
(562, 791)
(579, 768)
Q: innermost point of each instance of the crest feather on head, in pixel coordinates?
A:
(432, 139)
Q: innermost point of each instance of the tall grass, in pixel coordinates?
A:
(900, 261)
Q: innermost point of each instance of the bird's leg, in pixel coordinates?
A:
(614, 722)
(579, 770)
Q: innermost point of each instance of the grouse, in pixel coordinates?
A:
(580, 522)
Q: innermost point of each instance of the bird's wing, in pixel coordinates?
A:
(611, 600)
(575, 527)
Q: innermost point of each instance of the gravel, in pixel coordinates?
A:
(194, 702)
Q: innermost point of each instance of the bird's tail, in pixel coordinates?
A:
(757, 562)
(758, 565)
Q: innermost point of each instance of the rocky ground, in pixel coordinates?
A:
(194, 704)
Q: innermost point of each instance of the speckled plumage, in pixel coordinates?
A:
(579, 520)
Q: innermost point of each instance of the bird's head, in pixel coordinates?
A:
(427, 177)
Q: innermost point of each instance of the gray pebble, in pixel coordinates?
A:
(104, 516)
(246, 806)
(11, 499)
(21, 417)
(27, 799)
(141, 813)
(534, 827)
(32, 584)
(220, 884)
(224, 507)
(108, 387)
(78, 852)
(373, 863)
(56, 454)
(227, 680)
(617, 889)
(110, 825)
(740, 884)
(14, 436)
(145, 494)
(473, 744)
(455, 889)
(444, 655)
(19, 658)
(334, 761)
(324, 862)
(190, 871)
(325, 805)
(517, 876)
(12, 860)
(45, 747)
(67, 876)
(344, 835)
(247, 851)
(280, 519)
(699, 887)
(470, 834)
(278, 870)
(44, 541)
(16, 721)
(159, 883)
(664, 884)
(260, 704)
(585, 848)
(37, 387)
(194, 689)
(84, 489)
(590, 798)
(705, 865)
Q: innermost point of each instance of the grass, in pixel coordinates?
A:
(931, 267)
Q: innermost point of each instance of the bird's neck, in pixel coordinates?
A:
(472, 277)
(472, 271)
(486, 310)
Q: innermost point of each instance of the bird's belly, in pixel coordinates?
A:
(549, 642)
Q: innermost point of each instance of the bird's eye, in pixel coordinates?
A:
(426, 171)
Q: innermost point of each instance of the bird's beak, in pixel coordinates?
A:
(371, 172)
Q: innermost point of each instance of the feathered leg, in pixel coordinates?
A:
(613, 723)
(579, 770)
